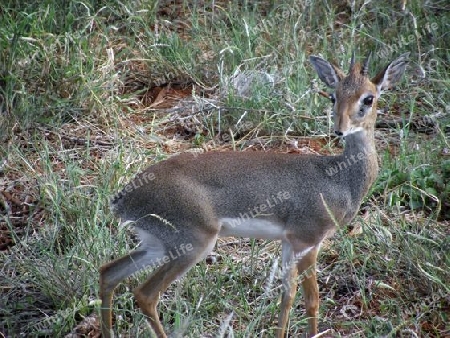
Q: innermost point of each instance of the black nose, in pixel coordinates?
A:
(338, 133)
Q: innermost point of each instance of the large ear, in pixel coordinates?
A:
(328, 73)
(391, 74)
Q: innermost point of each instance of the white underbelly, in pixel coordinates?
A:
(251, 228)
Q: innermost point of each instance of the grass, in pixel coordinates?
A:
(92, 92)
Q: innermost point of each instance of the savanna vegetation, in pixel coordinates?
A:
(92, 91)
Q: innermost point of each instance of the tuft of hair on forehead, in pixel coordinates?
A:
(354, 77)
(354, 84)
(357, 68)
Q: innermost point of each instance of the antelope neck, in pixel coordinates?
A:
(361, 145)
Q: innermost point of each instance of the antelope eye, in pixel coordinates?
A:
(332, 98)
(368, 100)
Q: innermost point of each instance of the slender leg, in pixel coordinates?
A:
(147, 295)
(306, 267)
(289, 288)
(112, 274)
(299, 259)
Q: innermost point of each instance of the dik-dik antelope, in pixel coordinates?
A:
(179, 207)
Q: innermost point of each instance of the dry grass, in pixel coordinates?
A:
(90, 94)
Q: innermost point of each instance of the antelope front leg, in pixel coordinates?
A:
(307, 270)
(289, 287)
